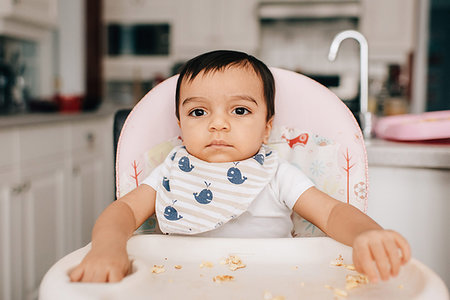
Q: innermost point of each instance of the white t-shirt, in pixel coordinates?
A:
(269, 215)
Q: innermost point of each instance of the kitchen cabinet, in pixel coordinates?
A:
(52, 190)
(196, 26)
(204, 25)
(38, 12)
(408, 192)
(389, 27)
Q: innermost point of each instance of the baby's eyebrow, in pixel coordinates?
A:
(245, 97)
(190, 99)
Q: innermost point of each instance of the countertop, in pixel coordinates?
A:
(34, 118)
(379, 152)
(403, 154)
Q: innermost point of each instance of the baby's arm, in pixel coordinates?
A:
(107, 261)
(373, 247)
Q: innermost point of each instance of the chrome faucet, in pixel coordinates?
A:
(365, 117)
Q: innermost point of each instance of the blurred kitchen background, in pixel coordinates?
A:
(67, 65)
(115, 51)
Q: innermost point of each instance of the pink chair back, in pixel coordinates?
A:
(312, 128)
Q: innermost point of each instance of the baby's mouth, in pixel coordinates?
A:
(219, 144)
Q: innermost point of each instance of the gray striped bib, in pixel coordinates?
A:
(195, 196)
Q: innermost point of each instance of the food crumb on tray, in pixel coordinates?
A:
(158, 269)
(178, 267)
(338, 261)
(354, 281)
(223, 278)
(337, 292)
(206, 264)
(233, 262)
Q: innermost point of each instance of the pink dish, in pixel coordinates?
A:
(419, 127)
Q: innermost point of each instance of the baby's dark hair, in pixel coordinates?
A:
(219, 60)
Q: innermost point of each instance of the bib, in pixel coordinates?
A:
(195, 196)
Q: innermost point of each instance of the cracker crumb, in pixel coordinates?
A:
(337, 292)
(295, 268)
(268, 295)
(206, 264)
(222, 278)
(350, 267)
(178, 267)
(400, 286)
(158, 269)
(338, 261)
(353, 281)
(233, 262)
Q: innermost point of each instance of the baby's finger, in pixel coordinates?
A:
(76, 274)
(393, 255)
(99, 276)
(403, 244)
(114, 276)
(88, 275)
(367, 265)
(381, 259)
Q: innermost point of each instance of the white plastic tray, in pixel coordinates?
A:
(293, 268)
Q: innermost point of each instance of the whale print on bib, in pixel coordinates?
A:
(166, 184)
(205, 195)
(184, 164)
(235, 176)
(171, 214)
(259, 158)
(196, 196)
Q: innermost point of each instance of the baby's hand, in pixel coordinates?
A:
(382, 250)
(102, 266)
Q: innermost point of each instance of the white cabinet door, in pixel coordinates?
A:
(31, 227)
(389, 26)
(11, 239)
(91, 186)
(87, 185)
(42, 12)
(42, 223)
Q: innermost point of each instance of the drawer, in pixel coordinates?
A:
(49, 141)
(87, 138)
(8, 148)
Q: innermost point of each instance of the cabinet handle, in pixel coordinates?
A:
(21, 188)
(26, 186)
(90, 138)
(76, 170)
(17, 189)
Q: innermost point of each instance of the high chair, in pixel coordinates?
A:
(312, 129)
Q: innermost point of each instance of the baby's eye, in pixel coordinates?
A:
(241, 111)
(198, 112)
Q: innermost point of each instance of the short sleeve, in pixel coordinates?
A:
(292, 182)
(155, 177)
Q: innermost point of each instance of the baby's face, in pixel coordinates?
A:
(223, 115)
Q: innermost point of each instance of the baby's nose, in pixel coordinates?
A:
(219, 122)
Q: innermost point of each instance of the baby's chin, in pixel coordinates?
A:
(219, 157)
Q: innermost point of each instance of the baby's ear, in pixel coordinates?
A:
(268, 130)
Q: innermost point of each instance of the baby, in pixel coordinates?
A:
(225, 182)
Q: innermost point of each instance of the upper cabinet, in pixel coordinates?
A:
(178, 30)
(26, 19)
(389, 26)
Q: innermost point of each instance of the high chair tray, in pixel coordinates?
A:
(300, 268)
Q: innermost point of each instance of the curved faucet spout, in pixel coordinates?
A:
(366, 125)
